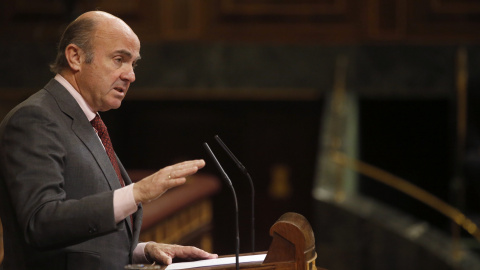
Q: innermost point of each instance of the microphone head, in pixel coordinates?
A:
(232, 156)
(217, 164)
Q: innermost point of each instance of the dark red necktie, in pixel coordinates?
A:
(101, 129)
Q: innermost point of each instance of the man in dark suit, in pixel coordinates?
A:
(66, 200)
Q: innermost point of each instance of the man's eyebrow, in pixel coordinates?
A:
(128, 54)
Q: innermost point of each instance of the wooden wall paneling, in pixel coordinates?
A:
(446, 21)
(291, 21)
(38, 8)
(284, 21)
(32, 20)
(121, 8)
(386, 20)
(286, 8)
(45, 20)
(1, 243)
(455, 6)
(181, 19)
(141, 15)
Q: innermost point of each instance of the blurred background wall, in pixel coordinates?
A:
(261, 73)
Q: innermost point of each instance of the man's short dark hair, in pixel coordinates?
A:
(80, 33)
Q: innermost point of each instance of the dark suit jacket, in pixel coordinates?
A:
(56, 189)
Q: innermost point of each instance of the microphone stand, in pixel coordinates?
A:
(229, 182)
(245, 172)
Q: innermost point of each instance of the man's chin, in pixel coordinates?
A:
(113, 105)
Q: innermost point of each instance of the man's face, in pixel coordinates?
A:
(104, 82)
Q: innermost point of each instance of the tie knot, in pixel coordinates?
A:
(98, 124)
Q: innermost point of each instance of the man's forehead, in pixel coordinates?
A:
(119, 41)
(113, 32)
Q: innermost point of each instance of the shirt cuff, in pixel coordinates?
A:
(139, 253)
(124, 203)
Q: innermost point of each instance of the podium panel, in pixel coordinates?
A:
(292, 247)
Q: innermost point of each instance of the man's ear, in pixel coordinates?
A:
(74, 56)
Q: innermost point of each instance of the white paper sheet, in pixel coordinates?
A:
(215, 262)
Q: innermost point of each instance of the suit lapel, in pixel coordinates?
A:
(84, 131)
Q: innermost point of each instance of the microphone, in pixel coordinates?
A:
(229, 182)
(245, 172)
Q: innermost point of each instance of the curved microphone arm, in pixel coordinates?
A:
(252, 188)
(229, 182)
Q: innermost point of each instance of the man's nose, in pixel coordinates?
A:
(128, 75)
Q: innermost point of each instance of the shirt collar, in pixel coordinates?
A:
(89, 113)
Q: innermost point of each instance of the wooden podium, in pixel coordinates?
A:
(292, 247)
(293, 244)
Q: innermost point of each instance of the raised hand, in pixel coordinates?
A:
(153, 186)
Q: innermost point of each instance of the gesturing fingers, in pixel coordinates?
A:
(155, 185)
(183, 169)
